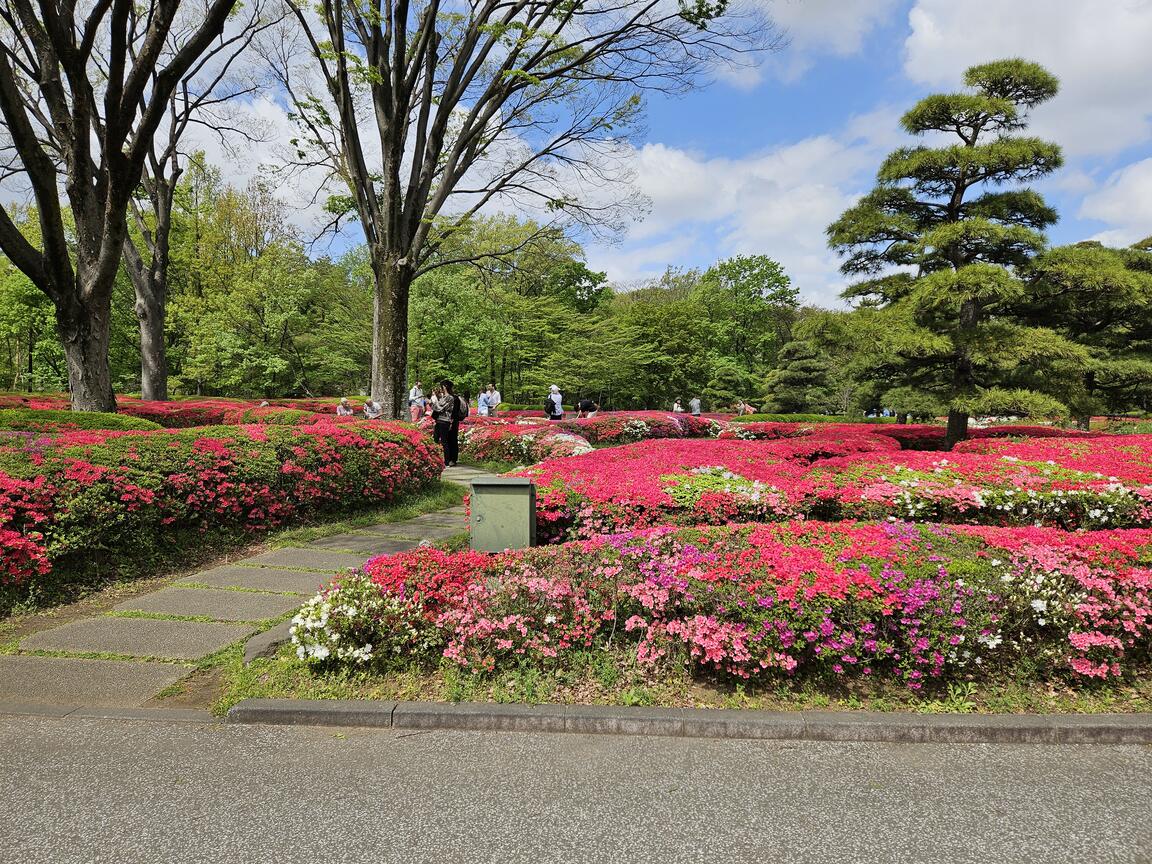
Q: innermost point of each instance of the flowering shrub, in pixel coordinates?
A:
(82, 493)
(269, 414)
(354, 622)
(519, 443)
(178, 415)
(845, 600)
(626, 427)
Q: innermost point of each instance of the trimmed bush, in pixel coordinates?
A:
(48, 420)
(87, 494)
(270, 414)
(893, 601)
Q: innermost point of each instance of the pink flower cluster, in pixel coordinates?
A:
(898, 601)
(85, 493)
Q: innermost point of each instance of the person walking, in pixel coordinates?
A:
(554, 405)
(416, 402)
(694, 406)
(494, 400)
(482, 404)
(344, 409)
(448, 410)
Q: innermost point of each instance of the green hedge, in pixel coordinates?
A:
(809, 418)
(44, 420)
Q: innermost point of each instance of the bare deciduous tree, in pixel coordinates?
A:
(203, 98)
(71, 117)
(429, 113)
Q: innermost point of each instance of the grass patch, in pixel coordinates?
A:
(439, 496)
(614, 678)
(492, 466)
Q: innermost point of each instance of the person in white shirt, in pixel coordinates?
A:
(344, 409)
(555, 403)
(416, 402)
(494, 400)
(372, 409)
(677, 407)
(694, 406)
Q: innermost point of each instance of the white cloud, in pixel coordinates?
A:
(1099, 50)
(775, 202)
(1125, 202)
(813, 28)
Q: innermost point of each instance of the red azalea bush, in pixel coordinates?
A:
(84, 493)
(625, 427)
(838, 474)
(179, 415)
(269, 414)
(891, 601)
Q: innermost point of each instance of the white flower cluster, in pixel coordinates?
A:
(354, 622)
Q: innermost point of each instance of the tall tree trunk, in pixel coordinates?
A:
(149, 280)
(393, 281)
(957, 428)
(84, 334)
(153, 349)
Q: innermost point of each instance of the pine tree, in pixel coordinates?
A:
(800, 384)
(942, 237)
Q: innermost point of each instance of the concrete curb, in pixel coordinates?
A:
(846, 726)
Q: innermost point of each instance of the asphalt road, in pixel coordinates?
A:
(134, 791)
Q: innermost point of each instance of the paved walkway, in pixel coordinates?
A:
(125, 657)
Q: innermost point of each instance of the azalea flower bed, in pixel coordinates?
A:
(625, 427)
(840, 473)
(892, 602)
(57, 420)
(684, 482)
(519, 444)
(82, 494)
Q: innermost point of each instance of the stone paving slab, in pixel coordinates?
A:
(139, 637)
(97, 683)
(260, 579)
(212, 603)
(307, 559)
(366, 543)
(416, 532)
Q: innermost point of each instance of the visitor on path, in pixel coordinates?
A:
(586, 408)
(483, 407)
(677, 408)
(372, 409)
(694, 406)
(344, 409)
(494, 400)
(416, 402)
(448, 410)
(554, 404)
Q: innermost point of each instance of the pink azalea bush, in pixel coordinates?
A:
(893, 601)
(83, 494)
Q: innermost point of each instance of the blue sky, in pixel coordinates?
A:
(760, 162)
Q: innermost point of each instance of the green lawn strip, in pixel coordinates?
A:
(204, 586)
(191, 619)
(610, 678)
(439, 496)
(492, 466)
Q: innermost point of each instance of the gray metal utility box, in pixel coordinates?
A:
(503, 514)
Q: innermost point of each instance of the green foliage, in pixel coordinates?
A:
(801, 382)
(42, 420)
(956, 328)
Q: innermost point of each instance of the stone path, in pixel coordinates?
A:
(125, 657)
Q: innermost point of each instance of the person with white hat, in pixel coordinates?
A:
(555, 403)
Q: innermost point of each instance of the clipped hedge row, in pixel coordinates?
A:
(808, 418)
(90, 494)
(49, 420)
